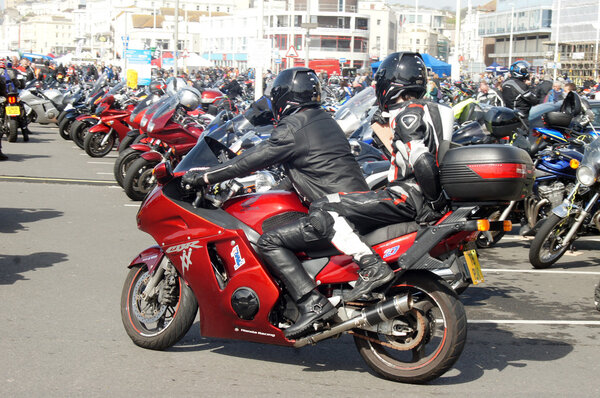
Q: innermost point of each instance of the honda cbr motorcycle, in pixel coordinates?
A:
(578, 215)
(411, 330)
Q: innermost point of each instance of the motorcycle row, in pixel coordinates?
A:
(499, 169)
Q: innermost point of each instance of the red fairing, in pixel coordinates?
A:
(99, 128)
(255, 209)
(340, 269)
(186, 238)
(152, 156)
(151, 257)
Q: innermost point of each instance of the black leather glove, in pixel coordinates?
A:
(193, 180)
(378, 118)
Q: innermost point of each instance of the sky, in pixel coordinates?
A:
(440, 4)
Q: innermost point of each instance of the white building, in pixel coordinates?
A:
(383, 27)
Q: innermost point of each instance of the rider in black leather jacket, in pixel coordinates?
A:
(316, 157)
(516, 94)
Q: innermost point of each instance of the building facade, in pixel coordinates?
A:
(531, 24)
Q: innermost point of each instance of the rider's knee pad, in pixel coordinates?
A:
(321, 222)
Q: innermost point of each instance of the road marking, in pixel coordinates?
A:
(108, 174)
(100, 163)
(128, 205)
(539, 271)
(532, 322)
(51, 180)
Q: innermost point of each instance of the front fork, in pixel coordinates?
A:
(567, 207)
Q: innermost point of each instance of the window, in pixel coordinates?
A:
(418, 41)
(362, 24)
(378, 22)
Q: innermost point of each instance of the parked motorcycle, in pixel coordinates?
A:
(578, 215)
(42, 106)
(12, 111)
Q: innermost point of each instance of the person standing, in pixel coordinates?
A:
(556, 94)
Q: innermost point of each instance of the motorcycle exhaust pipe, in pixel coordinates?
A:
(596, 219)
(371, 316)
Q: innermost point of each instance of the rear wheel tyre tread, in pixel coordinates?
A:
(457, 333)
(540, 238)
(175, 331)
(78, 132)
(13, 130)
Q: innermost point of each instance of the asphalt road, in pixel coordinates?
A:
(67, 233)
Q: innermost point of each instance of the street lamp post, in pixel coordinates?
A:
(415, 31)
(556, 41)
(456, 66)
(258, 72)
(176, 37)
(510, 44)
(597, 42)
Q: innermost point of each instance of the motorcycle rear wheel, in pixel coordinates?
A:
(92, 143)
(548, 247)
(430, 337)
(150, 324)
(13, 128)
(64, 127)
(124, 160)
(139, 179)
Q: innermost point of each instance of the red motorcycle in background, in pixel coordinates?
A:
(411, 330)
(113, 124)
(171, 134)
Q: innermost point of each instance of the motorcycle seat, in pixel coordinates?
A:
(390, 232)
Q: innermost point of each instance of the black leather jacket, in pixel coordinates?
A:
(313, 151)
(518, 96)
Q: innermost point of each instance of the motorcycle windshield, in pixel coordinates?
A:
(152, 110)
(100, 83)
(163, 114)
(213, 147)
(117, 88)
(350, 115)
(174, 85)
(591, 155)
(142, 105)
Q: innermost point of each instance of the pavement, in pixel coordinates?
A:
(67, 233)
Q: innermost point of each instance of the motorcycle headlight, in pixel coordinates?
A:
(264, 181)
(144, 121)
(586, 175)
(150, 127)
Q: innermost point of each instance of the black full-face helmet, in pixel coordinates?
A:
(520, 70)
(398, 74)
(293, 89)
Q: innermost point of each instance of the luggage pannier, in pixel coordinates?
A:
(486, 173)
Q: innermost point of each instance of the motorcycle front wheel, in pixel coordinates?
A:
(124, 160)
(548, 245)
(139, 179)
(92, 143)
(64, 127)
(422, 344)
(78, 131)
(149, 323)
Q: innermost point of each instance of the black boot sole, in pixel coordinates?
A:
(299, 333)
(380, 282)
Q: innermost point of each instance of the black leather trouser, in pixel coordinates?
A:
(278, 248)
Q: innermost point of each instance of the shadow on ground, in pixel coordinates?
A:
(12, 268)
(12, 219)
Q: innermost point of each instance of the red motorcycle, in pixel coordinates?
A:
(411, 330)
(171, 134)
(113, 124)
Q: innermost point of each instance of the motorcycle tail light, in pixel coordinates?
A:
(483, 225)
(163, 173)
(12, 99)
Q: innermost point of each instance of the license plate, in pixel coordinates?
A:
(474, 267)
(13, 111)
